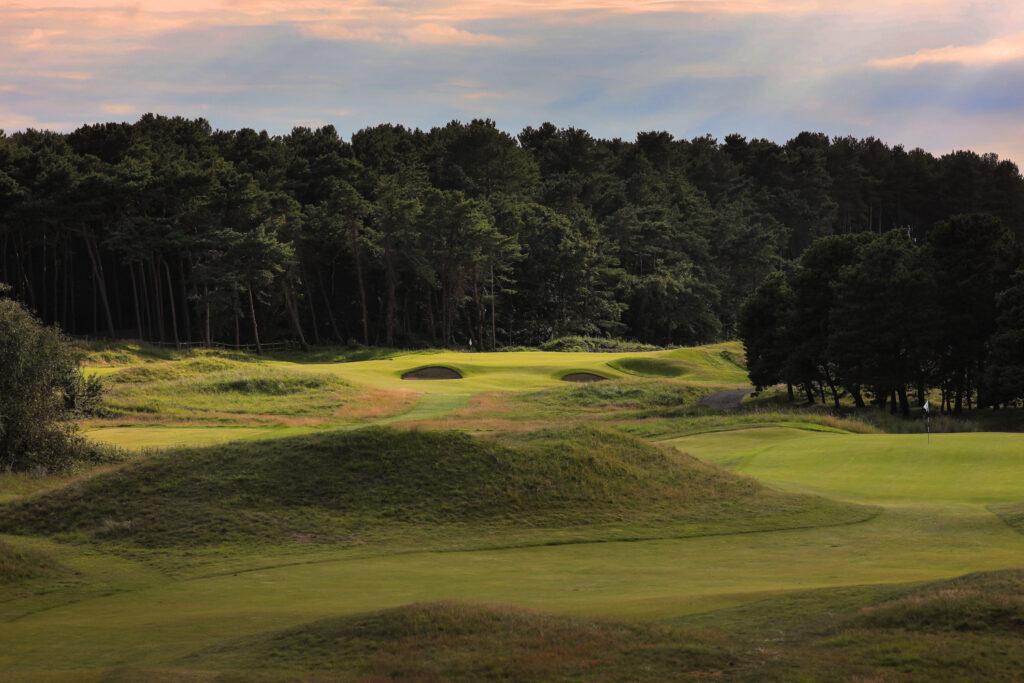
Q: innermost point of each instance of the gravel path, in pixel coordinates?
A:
(725, 400)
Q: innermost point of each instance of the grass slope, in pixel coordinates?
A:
(466, 641)
(18, 565)
(377, 485)
(967, 628)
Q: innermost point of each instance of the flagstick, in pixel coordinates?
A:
(928, 421)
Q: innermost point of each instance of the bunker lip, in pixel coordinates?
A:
(583, 377)
(433, 372)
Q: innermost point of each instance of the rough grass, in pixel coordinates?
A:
(961, 629)
(651, 367)
(594, 344)
(1012, 514)
(442, 488)
(18, 565)
(213, 388)
(988, 601)
(468, 641)
(622, 394)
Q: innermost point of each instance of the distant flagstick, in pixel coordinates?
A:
(928, 420)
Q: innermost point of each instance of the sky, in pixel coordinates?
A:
(936, 74)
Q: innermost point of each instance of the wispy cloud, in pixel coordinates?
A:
(1003, 49)
(765, 68)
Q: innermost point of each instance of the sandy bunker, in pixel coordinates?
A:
(432, 372)
(583, 377)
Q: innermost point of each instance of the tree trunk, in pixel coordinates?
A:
(312, 315)
(206, 330)
(904, 401)
(170, 294)
(186, 315)
(135, 298)
(354, 231)
(293, 313)
(97, 269)
(158, 298)
(430, 317)
(494, 324)
(810, 393)
(146, 301)
(858, 399)
(255, 327)
(391, 277)
(330, 310)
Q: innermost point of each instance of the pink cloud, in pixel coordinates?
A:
(118, 108)
(1003, 49)
(440, 34)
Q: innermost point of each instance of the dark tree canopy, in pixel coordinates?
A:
(896, 317)
(170, 231)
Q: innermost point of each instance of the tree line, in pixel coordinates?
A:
(895, 317)
(168, 230)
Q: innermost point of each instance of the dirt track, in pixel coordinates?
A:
(724, 400)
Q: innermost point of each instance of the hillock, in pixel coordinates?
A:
(467, 641)
(379, 485)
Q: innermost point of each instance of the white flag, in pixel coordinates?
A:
(926, 406)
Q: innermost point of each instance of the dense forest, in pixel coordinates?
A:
(167, 230)
(885, 313)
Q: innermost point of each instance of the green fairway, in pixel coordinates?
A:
(169, 437)
(652, 579)
(242, 396)
(156, 565)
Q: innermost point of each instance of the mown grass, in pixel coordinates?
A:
(966, 628)
(981, 469)
(289, 549)
(444, 489)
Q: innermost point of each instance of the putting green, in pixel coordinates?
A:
(981, 468)
(528, 370)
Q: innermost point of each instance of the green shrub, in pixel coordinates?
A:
(41, 390)
(592, 344)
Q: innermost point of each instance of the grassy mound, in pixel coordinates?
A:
(987, 601)
(174, 369)
(19, 565)
(651, 367)
(963, 629)
(465, 641)
(436, 488)
(619, 394)
(1012, 514)
(209, 388)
